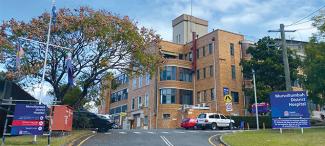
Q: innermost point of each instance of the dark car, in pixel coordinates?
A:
(86, 119)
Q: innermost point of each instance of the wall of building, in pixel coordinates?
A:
(224, 70)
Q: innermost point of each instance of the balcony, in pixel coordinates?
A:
(174, 83)
(178, 62)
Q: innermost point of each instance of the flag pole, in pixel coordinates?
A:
(45, 60)
(46, 52)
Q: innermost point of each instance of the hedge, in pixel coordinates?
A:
(251, 120)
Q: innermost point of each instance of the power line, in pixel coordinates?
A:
(301, 22)
(295, 23)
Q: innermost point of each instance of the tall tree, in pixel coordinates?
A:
(269, 70)
(314, 64)
(101, 43)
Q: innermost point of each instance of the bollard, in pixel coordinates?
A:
(247, 126)
(263, 126)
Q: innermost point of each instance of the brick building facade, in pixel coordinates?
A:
(184, 86)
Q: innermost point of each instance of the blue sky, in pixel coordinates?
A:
(251, 18)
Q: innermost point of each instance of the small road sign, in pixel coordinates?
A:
(122, 114)
(229, 107)
(228, 98)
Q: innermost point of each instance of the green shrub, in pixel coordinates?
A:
(251, 120)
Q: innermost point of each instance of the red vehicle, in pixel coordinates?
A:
(188, 123)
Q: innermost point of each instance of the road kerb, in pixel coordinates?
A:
(85, 140)
(222, 141)
(211, 138)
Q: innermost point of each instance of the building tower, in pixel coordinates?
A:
(184, 25)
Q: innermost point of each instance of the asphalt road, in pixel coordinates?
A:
(161, 137)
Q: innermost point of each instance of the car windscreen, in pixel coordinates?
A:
(202, 116)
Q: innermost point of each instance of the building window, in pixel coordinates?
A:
(147, 78)
(198, 97)
(233, 72)
(198, 74)
(204, 73)
(168, 96)
(119, 95)
(140, 81)
(118, 109)
(133, 103)
(186, 97)
(235, 97)
(211, 70)
(145, 121)
(210, 48)
(169, 73)
(166, 116)
(198, 53)
(179, 38)
(180, 56)
(204, 96)
(212, 93)
(185, 74)
(134, 83)
(146, 100)
(203, 51)
(124, 108)
(232, 49)
(190, 56)
(124, 94)
(139, 102)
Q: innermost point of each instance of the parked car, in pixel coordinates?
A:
(213, 121)
(86, 119)
(116, 126)
(188, 123)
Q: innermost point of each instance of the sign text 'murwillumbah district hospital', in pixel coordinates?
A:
(289, 110)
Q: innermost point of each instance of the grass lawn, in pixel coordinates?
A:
(42, 140)
(311, 137)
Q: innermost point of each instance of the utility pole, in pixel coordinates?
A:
(285, 55)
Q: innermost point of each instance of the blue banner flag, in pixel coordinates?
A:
(70, 71)
(54, 15)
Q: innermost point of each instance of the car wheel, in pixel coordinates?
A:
(214, 126)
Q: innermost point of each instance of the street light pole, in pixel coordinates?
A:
(256, 111)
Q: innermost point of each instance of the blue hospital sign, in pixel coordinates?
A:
(28, 119)
(289, 109)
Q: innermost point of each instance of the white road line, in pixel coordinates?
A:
(137, 132)
(164, 132)
(122, 132)
(108, 133)
(168, 143)
(179, 132)
(151, 132)
(193, 131)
